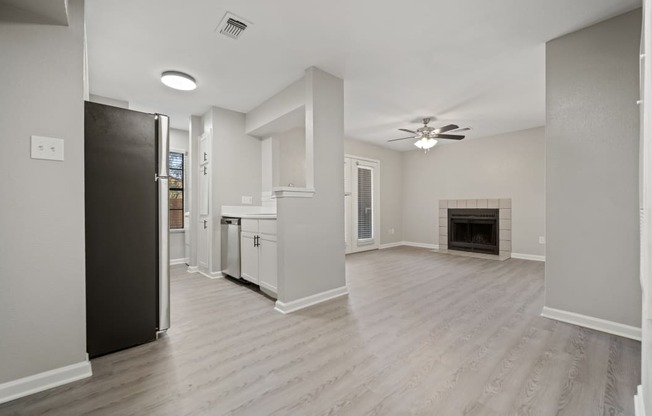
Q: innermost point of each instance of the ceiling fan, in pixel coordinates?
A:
(427, 136)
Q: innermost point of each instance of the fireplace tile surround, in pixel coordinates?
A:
(504, 206)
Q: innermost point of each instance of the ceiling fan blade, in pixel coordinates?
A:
(403, 138)
(464, 129)
(446, 128)
(408, 131)
(449, 136)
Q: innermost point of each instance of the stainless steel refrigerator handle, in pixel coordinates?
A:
(163, 144)
(164, 224)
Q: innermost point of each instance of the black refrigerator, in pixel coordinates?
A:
(127, 245)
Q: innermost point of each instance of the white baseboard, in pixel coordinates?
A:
(302, 303)
(212, 275)
(193, 269)
(43, 381)
(639, 403)
(410, 244)
(533, 257)
(390, 245)
(178, 261)
(267, 287)
(603, 325)
(420, 245)
(436, 247)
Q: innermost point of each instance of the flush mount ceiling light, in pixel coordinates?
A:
(178, 80)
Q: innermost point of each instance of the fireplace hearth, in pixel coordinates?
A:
(474, 230)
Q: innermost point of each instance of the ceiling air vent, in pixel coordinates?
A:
(232, 26)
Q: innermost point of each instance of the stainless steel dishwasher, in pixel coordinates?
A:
(230, 246)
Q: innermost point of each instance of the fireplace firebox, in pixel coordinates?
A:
(474, 230)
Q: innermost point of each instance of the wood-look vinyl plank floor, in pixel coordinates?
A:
(421, 333)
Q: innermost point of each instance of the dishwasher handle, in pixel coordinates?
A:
(230, 221)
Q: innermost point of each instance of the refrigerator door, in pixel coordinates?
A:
(163, 152)
(122, 230)
(163, 145)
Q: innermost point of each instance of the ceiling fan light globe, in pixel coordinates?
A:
(429, 143)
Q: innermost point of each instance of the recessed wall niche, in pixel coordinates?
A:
(289, 158)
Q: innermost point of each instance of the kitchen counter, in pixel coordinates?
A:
(249, 212)
(258, 216)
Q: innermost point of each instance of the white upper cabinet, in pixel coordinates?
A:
(204, 189)
(205, 148)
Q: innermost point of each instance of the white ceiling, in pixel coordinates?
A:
(475, 63)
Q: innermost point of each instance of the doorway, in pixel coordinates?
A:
(361, 204)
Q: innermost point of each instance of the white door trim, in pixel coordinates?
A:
(354, 244)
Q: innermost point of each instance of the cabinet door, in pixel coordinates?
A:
(204, 188)
(267, 227)
(202, 248)
(267, 264)
(248, 257)
(249, 225)
(204, 148)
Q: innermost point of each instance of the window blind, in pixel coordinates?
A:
(365, 204)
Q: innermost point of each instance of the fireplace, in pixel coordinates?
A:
(474, 230)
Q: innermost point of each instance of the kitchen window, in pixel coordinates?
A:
(176, 182)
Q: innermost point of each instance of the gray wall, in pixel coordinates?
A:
(108, 101)
(278, 105)
(289, 158)
(311, 230)
(49, 12)
(505, 166)
(644, 203)
(179, 139)
(235, 169)
(391, 186)
(42, 298)
(592, 131)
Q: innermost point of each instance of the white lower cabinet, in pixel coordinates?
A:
(203, 245)
(249, 256)
(267, 271)
(258, 253)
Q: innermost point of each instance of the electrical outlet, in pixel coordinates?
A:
(391, 231)
(47, 148)
(542, 240)
(247, 200)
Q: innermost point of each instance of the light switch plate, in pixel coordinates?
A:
(247, 200)
(47, 148)
(542, 240)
